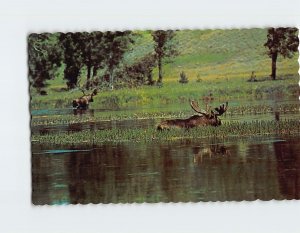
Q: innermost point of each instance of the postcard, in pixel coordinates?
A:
(164, 116)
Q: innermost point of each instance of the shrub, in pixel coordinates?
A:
(183, 78)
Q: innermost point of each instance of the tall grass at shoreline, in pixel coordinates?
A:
(232, 129)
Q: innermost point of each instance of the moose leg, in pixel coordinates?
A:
(75, 104)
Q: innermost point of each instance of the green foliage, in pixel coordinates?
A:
(163, 43)
(92, 51)
(283, 41)
(115, 46)
(140, 72)
(44, 58)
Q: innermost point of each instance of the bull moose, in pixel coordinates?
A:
(83, 101)
(203, 118)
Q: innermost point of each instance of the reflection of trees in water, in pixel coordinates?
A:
(92, 176)
(40, 191)
(236, 173)
(257, 175)
(169, 172)
(176, 171)
(288, 166)
(48, 178)
(112, 173)
(129, 173)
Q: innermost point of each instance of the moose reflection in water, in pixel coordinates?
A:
(201, 153)
(168, 172)
(206, 117)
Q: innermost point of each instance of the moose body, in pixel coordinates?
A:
(83, 101)
(203, 119)
(191, 122)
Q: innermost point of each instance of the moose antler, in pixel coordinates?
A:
(195, 106)
(221, 110)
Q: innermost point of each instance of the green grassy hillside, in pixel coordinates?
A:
(223, 54)
(218, 61)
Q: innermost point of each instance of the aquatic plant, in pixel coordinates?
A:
(232, 129)
(181, 111)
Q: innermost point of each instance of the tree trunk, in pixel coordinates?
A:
(111, 79)
(159, 71)
(88, 78)
(95, 70)
(274, 59)
(150, 78)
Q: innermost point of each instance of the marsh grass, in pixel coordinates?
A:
(232, 129)
(178, 111)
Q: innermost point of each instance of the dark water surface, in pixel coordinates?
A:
(178, 171)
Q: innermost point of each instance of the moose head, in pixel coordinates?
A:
(83, 101)
(203, 118)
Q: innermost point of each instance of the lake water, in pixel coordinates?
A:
(180, 171)
(177, 171)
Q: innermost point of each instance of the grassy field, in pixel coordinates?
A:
(217, 62)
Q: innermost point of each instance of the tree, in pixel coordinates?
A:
(44, 57)
(115, 45)
(91, 45)
(281, 41)
(140, 72)
(164, 48)
(71, 43)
